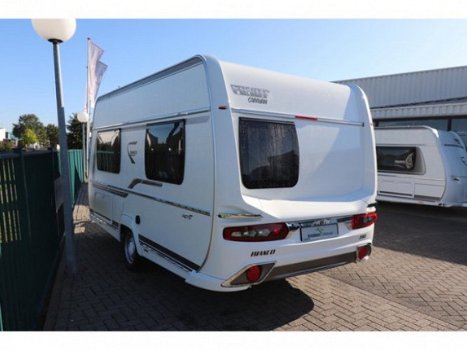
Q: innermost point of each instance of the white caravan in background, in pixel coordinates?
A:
(229, 176)
(419, 164)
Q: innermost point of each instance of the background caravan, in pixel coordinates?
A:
(230, 176)
(421, 165)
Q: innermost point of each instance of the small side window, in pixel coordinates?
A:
(108, 151)
(165, 152)
(397, 159)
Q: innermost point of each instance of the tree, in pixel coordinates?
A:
(32, 122)
(29, 137)
(6, 146)
(52, 135)
(75, 132)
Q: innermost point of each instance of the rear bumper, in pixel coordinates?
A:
(271, 271)
(279, 272)
(301, 268)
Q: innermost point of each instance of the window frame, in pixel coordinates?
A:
(418, 167)
(118, 153)
(173, 180)
(294, 141)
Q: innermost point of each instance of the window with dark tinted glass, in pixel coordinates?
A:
(165, 152)
(108, 151)
(269, 155)
(401, 159)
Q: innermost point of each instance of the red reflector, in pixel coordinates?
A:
(306, 118)
(363, 252)
(364, 220)
(253, 273)
(256, 233)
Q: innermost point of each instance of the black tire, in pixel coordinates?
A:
(130, 255)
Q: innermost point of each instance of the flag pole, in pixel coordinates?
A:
(86, 139)
(95, 70)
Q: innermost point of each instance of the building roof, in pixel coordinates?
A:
(438, 92)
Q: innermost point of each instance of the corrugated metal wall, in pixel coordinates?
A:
(420, 111)
(413, 88)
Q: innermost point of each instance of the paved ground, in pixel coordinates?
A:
(416, 279)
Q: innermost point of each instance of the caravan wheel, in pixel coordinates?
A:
(130, 255)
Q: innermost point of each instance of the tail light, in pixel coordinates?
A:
(364, 220)
(363, 252)
(253, 273)
(256, 233)
(249, 275)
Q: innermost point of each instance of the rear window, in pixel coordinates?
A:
(269, 155)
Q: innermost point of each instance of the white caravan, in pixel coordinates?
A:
(418, 164)
(229, 176)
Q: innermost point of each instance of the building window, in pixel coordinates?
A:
(269, 155)
(399, 159)
(165, 152)
(108, 151)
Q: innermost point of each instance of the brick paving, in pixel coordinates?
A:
(399, 289)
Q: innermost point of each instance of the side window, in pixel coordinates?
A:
(269, 155)
(108, 151)
(165, 152)
(397, 159)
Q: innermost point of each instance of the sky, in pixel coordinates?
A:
(325, 49)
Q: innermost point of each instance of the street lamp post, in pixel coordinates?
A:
(57, 31)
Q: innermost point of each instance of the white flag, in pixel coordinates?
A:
(96, 70)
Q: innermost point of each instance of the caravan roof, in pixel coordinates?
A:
(270, 92)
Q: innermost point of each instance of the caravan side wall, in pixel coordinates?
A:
(429, 178)
(142, 113)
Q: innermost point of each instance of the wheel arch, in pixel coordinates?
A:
(127, 225)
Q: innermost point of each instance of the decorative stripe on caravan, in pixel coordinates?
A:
(124, 193)
(168, 254)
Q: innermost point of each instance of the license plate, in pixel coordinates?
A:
(313, 233)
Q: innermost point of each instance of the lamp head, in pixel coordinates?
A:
(55, 30)
(83, 117)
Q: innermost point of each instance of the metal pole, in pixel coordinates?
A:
(64, 166)
(88, 143)
(83, 137)
(88, 109)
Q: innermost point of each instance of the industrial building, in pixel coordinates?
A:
(437, 98)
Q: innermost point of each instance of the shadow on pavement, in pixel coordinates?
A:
(433, 232)
(107, 296)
